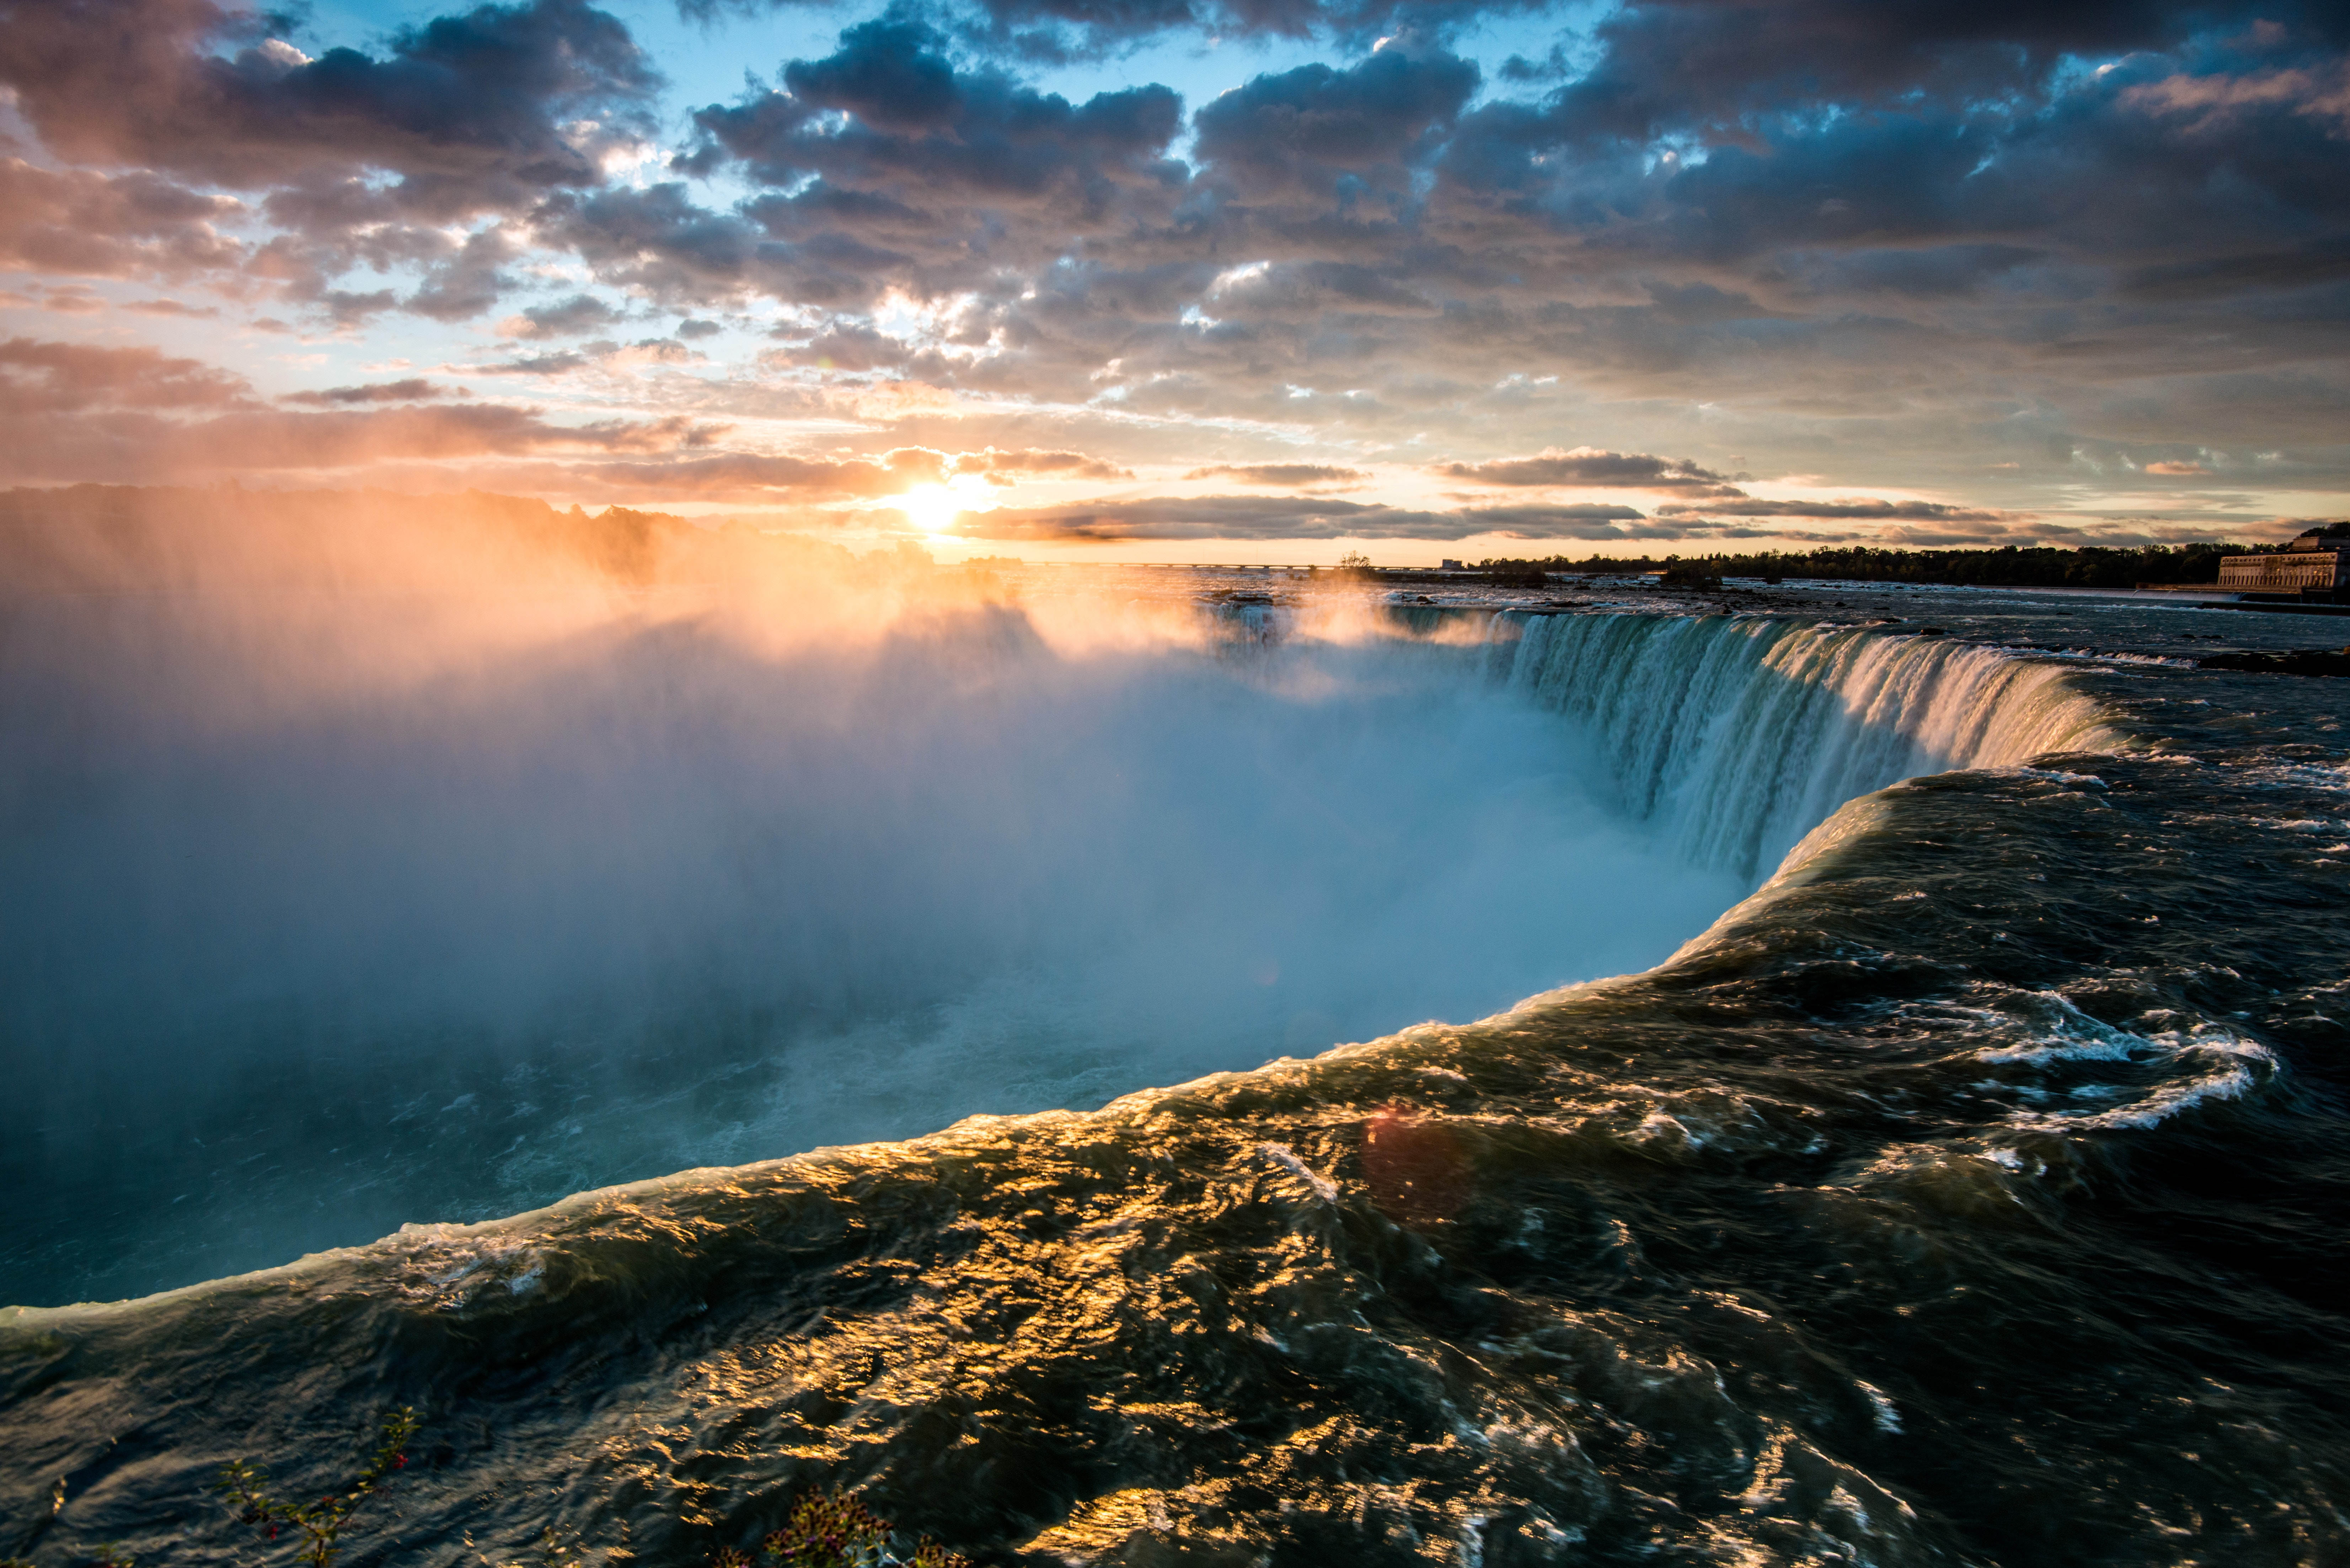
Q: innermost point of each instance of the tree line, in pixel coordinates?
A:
(2034, 567)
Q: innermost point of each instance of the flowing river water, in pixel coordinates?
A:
(1921, 1139)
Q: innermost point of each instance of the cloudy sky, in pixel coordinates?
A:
(1199, 279)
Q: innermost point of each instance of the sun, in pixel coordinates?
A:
(935, 508)
(932, 508)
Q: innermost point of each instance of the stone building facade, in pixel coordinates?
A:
(2312, 563)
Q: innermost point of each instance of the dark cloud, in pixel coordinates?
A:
(604, 354)
(1334, 134)
(1285, 517)
(890, 165)
(464, 281)
(414, 389)
(2298, 267)
(891, 73)
(1716, 66)
(1553, 68)
(1938, 271)
(1292, 474)
(557, 364)
(845, 345)
(1590, 467)
(89, 224)
(1937, 196)
(566, 318)
(661, 241)
(1846, 510)
(1290, 290)
(366, 160)
(909, 114)
(1005, 466)
(471, 111)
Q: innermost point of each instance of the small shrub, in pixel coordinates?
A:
(835, 1530)
(320, 1523)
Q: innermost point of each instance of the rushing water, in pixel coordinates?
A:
(1973, 1191)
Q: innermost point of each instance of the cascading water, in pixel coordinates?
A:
(1742, 734)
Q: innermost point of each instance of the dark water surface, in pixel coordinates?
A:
(1976, 1192)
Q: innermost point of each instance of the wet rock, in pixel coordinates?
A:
(2301, 661)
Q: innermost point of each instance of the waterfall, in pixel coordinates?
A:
(1736, 736)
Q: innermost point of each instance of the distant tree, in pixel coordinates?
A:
(2034, 567)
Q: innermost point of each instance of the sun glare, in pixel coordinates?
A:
(934, 508)
(931, 507)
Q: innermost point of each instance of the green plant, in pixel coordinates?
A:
(835, 1530)
(321, 1523)
(110, 1556)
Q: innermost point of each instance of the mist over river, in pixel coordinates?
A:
(1818, 1091)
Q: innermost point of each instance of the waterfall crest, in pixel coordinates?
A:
(1737, 736)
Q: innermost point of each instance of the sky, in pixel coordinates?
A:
(1227, 280)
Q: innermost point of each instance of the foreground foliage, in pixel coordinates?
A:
(835, 1530)
(320, 1523)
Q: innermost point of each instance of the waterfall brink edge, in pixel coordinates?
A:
(1747, 734)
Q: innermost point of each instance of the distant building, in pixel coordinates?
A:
(2314, 562)
(1452, 566)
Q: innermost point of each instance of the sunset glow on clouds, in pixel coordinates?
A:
(1165, 279)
